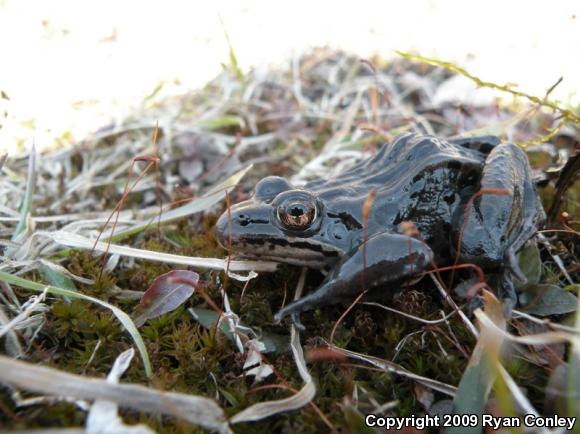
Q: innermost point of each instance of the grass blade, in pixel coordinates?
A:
(26, 204)
(196, 205)
(194, 409)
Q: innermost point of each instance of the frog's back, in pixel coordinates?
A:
(395, 162)
(416, 178)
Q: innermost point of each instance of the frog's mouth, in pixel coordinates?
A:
(251, 234)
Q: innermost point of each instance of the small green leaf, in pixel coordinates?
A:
(472, 393)
(557, 392)
(230, 397)
(26, 204)
(221, 122)
(572, 288)
(155, 91)
(57, 279)
(481, 373)
(544, 300)
(531, 265)
(234, 64)
(354, 419)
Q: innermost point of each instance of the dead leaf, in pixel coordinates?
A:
(166, 293)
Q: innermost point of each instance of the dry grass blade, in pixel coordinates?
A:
(12, 343)
(546, 322)
(517, 393)
(409, 316)
(396, 369)
(452, 303)
(78, 241)
(197, 410)
(28, 309)
(537, 339)
(196, 205)
(495, 334)
(556, 258)
(103, 416)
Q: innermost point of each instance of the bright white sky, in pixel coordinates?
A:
(73, 65)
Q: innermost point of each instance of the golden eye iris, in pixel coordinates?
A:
(296, 210)
(297, 215)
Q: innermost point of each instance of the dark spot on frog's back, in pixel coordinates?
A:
(454, 165)
(449, 199)
(347, 219)
(418, 177)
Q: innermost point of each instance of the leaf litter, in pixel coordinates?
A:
(326, 111)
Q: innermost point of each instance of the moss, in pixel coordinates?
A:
(87, 265)
(60, 414)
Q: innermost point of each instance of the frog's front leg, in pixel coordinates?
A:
(495, 224)
(384, 258)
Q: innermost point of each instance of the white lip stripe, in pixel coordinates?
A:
(287, 254)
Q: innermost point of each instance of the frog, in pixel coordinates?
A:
(470, 199)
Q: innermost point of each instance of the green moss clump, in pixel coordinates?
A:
(85, 264)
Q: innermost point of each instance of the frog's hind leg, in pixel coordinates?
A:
(506, 212)
(383, 258)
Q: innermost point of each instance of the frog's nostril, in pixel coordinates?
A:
(243, 220)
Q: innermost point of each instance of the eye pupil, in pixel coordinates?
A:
(297, 211)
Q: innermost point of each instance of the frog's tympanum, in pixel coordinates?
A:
(430, 182)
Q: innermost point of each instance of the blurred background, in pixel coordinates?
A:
(69, 67)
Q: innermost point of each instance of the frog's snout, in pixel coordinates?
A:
(222, 229)
(241, 223)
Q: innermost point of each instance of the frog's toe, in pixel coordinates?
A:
(284, 312)
(296, 321)
(279, 316)
(294, 315)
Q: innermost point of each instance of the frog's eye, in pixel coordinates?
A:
(296, 210)
(268, 188)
